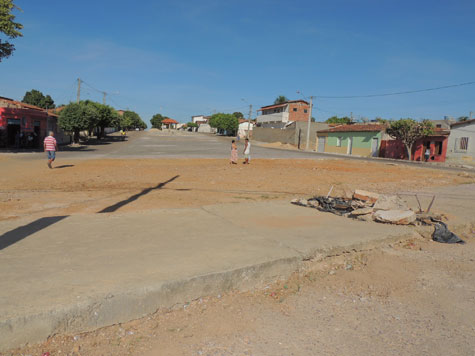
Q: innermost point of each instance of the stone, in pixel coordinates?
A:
(367, 217)
(362, 211)
(365, 195)
(398, 217)
(313, 203)
(390, 202)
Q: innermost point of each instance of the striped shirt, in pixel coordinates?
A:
(50, 143)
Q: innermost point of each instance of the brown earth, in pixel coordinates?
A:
(411, 298)
(88, 186)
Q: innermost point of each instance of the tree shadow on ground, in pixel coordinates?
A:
(112, 208)
(18, 234)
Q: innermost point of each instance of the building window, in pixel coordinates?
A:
(338, 141)
(305, 110)
(295, 109)
(461, 144)
(438, 126)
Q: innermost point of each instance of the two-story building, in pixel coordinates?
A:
(280, 114)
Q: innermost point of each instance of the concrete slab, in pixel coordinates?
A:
(78, 273)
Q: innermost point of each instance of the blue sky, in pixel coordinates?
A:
(183, 58)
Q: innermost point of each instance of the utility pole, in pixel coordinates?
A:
(249, 120)
(79, 91)
(308, 124)
(104, 97)
(470, 118)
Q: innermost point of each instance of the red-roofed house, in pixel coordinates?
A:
(24, 125)
(353, 139)
(437, 143)
(169, 123)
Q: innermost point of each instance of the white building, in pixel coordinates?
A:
(461, 146)
(293, 110)
(244, 127)
(199, 119)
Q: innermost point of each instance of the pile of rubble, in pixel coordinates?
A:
(366, 206)
(369, 206)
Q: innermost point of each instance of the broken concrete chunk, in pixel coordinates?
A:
(362, 211)
(366, 217)
(390, 202)
(299, 201)
(399, 217)
(313, 203)
(365, 196)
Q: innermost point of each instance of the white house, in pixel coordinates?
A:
(199, 119)
(244, 127)
(461, 146)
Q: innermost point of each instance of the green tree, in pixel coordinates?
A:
(76, 117)
(224, 122)
(280, 99)
(238, 115)
(35, 97)
(409, 131)
(338, 120)
(106, 116)
(8, 27)
(462, 118)
(191, 124)
(156, 121)
(131, 120)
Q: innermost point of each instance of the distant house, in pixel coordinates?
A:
(280, 114)
(354, 139)
(436, 143)
(244, 127)
(199, 119)
(24, 125)
(461, 145)
(169, 123)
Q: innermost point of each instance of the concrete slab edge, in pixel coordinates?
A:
(122, 306)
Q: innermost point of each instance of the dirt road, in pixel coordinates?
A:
(28, 187)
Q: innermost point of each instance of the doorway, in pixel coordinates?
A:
(13, 133)
(321, 144)
(374, 147)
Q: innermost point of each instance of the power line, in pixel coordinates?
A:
(395, 93)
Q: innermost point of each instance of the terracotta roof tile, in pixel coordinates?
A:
(356, 128)
(169, 121)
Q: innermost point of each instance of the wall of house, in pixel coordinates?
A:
(28, 119)
(361, 145)
(454, 153)
(420, 147)
(293, 134)
(300, 114)
(396, 149)
(277, 117)
(392, 149)
(268, 134)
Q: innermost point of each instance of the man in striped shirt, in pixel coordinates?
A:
(51, 147)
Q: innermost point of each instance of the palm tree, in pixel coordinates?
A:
(280, 99)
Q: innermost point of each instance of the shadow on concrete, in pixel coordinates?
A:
(112, 208)
(18, 234)
(64, 166)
